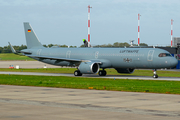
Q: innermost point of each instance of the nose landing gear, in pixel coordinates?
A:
(155, 74)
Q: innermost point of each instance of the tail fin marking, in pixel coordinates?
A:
(31, 38)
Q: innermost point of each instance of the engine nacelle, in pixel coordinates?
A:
(125, 70)
(88, 67)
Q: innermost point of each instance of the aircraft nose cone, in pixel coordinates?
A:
(174, 62)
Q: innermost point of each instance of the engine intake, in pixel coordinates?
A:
(88, 67)
(125, 70)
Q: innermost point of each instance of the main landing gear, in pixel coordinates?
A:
(77, 73)
(155, 74)
(102, 73)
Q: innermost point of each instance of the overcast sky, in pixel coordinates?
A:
(65, 21)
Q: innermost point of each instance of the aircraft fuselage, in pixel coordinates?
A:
(144, 58)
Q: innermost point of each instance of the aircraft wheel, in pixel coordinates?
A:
(102, 73)
(155, 76)
(77, 73)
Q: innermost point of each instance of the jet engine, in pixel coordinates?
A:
(88, 67)
(125, 70)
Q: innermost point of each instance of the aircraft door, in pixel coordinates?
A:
(39, 51)
(96, 54)
(150, 55)
(68, 53)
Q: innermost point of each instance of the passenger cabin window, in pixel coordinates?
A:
(165, 55)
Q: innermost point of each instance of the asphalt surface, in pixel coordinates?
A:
(27, 103)
(42, 103)
(95, 76)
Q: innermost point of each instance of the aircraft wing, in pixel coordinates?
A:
(58, 58)
(64, 59)
(52, 58)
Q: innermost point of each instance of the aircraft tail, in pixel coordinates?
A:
(31, 38)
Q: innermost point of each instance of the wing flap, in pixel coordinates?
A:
(64, 59)
(57, 58)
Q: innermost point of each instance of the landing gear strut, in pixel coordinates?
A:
(102, 73)
(155, 74)
(77, 73)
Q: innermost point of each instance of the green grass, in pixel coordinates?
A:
(109, 71)
(170, 87)
(42, 70)
(11, 56)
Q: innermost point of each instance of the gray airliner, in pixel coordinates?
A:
(91, 60)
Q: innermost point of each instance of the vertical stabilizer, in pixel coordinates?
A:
(31, 38)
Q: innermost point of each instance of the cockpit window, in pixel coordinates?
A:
(165, 55)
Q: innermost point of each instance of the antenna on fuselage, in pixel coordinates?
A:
(131, 41)
(86, 43)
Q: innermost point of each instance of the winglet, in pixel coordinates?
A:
(12, 49)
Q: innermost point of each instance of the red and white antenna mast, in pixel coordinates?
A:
(138, 28)
(171, 31)
(89, 25)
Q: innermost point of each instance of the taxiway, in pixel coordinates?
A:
(22, 102)
(27, 103)
(96, 76)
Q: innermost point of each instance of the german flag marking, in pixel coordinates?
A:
(29, 30)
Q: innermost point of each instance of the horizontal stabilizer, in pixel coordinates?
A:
(12, 49)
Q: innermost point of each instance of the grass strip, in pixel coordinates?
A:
(137, 72)
(12, 56)
(168, 87)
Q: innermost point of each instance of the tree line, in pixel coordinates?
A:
(7, 49)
